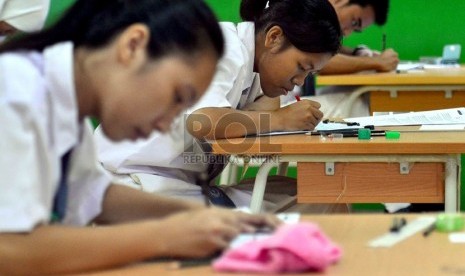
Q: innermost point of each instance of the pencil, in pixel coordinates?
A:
(429, 230)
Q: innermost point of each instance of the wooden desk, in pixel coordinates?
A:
(412, 147)
(414, 91)
(417, 255)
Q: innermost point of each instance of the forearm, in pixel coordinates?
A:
(263, 103)
(122, 204)
(61, 250)
(218, 123)
(344, 64)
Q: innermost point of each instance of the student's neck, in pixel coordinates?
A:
(85, 93)
(259, 49)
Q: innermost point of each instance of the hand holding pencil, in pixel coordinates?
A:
(301, 115)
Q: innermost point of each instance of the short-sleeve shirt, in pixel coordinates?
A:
(39, 124)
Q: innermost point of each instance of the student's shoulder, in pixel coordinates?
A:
(236, 50)
(21, 64)
(20, 71)
(229, 30)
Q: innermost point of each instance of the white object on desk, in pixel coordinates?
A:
(433, 117)
(412, 67)
(288, 218)
(390, 239)
(454, 127)
(457, 237)
(406, 66)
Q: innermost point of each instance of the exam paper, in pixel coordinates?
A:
(405, 66)
(455, 127)
(320, 127)
(434, 117)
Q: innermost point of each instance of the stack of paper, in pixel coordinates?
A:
(454, 117)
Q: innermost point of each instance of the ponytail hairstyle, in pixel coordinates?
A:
(309, 25)
(184, 26)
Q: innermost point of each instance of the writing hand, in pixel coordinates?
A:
(302, 115)
(387, 61)
(200, 233)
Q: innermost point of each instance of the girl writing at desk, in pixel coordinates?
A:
(279, 43)
(134, 65)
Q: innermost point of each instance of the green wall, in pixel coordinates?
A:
(57, 7)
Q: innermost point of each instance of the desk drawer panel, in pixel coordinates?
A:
(381, 101)
(370, 183)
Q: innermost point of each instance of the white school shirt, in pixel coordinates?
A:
(38, 125)
(24, 15)
(234, 86)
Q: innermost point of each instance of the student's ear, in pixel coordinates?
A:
(274, 39)
(132, 43)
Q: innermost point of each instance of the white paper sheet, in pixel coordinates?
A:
(433, 117)
(457, 127)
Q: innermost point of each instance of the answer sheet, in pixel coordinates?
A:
(434, 117)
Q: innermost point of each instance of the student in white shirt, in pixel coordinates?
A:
(277, 46)
(103, 59)
(22, 15)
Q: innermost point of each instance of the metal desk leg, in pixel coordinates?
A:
(451, 186)
(282, 168)
(225, 177)
(260, 185)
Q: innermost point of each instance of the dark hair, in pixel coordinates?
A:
(175, 25)
(310, 25)
(380, 7)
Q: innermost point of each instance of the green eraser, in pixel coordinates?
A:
(364, 134)
(392, 135)
(450, 222)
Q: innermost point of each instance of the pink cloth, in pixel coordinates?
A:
(292, 248)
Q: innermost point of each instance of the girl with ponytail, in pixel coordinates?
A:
(279, 43)
(134, 65)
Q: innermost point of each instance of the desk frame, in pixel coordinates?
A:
(452, 172)
(393, 89)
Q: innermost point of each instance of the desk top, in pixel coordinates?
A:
(433, 255)
(443, 76)
(413, 142)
